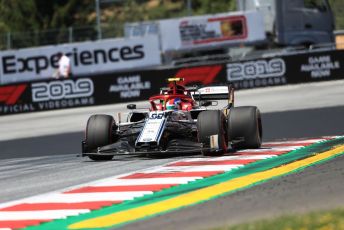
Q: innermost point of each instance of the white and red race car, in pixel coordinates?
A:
(178, 120)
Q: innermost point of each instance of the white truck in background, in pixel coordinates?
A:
(294, 22)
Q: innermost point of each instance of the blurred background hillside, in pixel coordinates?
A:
(41, 22)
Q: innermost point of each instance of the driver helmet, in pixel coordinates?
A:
(173, 104)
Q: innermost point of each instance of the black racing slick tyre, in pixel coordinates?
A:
(99, 133)
(245, 127)
(210, 123)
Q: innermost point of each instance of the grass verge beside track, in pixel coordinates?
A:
(320, 220)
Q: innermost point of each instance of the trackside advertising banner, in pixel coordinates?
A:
(291, 69)
(257, 73)
(122, 87)
(211, 30)
(99, 89)
(317, 66)
(86, 58)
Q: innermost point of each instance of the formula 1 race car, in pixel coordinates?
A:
(178, 121)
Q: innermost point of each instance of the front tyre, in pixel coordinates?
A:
(211, 126)
(245, 127)
(99, 133)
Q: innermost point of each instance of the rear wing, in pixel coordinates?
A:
(191, 89)
(207, 93)
(215, 93)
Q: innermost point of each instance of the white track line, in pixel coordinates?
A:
(147, 181)
(202, 168)
(310, 141)
(39, 215)
(225, 158)
(88, 197)
(272, 149)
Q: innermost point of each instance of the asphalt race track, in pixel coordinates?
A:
(38, 155)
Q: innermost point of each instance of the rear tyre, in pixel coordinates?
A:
(212, 122)
(244, 123)
(99, 133)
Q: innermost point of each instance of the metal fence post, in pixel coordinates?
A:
(70, 33)
(9, 42)
(98, 20)
(189, 7)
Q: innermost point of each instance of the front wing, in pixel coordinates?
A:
(175, 147)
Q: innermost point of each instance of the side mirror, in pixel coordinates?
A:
(131, 106)
(322, 8)
(205, 103)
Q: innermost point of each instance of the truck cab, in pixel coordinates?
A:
(294, 22)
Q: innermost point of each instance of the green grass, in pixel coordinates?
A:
(320, 220)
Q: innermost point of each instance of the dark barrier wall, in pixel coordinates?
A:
(140, 85)
(100, 89)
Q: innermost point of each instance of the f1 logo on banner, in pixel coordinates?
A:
(9, 95)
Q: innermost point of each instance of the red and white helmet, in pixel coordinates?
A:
(173, 104)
